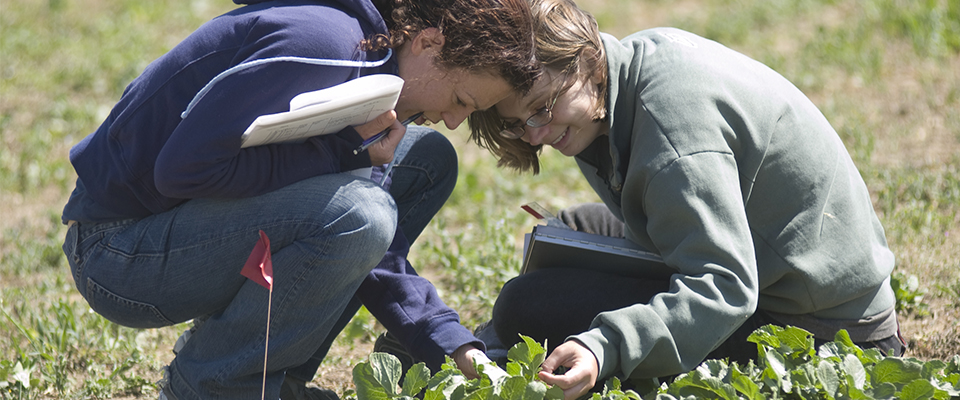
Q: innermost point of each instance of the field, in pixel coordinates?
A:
(886, 73)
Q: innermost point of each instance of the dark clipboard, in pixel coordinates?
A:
(550, 247)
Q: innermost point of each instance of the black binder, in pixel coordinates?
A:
(550, 247)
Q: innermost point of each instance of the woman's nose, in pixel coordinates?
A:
(453, 119)
(535, 136)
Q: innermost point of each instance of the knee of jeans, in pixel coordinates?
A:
(439, 153)
(446, 155)
(377, 214)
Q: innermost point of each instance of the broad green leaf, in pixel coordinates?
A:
(723, 390)
(766, 335)
(870, 356)
(854, 369)
(447, 381)
(770, 379)
(368, 388)
(714, 368)
(746, 387)
(830, 350)
(386, 370)
(611, 384)
(483, 393)
(953, 366)
(494, 373)
(700, 384)
(513, 387)
(435, 392)
(458, 393)
(795, 340)
(698, 392)
(885, 390)
(535, 390)
(950, 384)
(896, 370)
(917, 390)
(805, 375)
(416, 379)
(786, 384)
(514, 369)
(932, 368)
(843, 338)
(852, 393)
(529, 354)
(828, 377)
(554, 393)
(775, 362)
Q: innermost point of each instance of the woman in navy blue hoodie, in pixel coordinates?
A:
(167, 206)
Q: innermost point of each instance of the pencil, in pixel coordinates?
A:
(376, 138)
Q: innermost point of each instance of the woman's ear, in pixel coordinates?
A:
(427, 39)
(590, 63)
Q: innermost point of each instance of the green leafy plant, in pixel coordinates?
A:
(379, 378)
(788, 366)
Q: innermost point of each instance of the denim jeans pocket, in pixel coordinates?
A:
(123, 311)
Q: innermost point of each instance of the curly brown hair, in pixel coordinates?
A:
(480, 35)
(566, 35)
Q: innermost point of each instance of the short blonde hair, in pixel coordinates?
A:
(565, 36)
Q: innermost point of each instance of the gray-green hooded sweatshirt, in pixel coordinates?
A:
(729, 172)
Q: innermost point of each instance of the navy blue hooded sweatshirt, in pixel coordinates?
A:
(145, 159)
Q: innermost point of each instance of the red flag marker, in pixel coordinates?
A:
(259, 267)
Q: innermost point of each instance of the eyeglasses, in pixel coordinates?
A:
(540, 118)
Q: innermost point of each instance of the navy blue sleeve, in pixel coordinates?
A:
(203, 158)
(410, 308)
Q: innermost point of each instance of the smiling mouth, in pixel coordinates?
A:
(562, 135)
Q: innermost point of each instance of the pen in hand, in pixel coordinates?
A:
(376, 138)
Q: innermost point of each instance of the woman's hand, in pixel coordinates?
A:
(381, 152)
(581, 375)
(463, 356)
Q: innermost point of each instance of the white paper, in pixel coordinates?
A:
(325, 111)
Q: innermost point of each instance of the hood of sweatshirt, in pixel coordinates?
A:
(363, 8)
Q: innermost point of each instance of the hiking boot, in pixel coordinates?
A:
(295, 389)
(387, 343)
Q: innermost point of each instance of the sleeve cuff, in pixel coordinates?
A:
(447, 336)
(350, 161)
(596, 340)
(340, 146)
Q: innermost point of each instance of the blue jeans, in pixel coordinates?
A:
(423, 178)
(326, 234)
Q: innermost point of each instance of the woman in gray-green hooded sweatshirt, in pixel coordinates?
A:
(710, 159)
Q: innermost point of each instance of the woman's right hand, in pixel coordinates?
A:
(582, 371)
(381, 152)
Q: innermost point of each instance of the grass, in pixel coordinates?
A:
(886, 73)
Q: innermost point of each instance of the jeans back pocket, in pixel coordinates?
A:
(123, 311)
